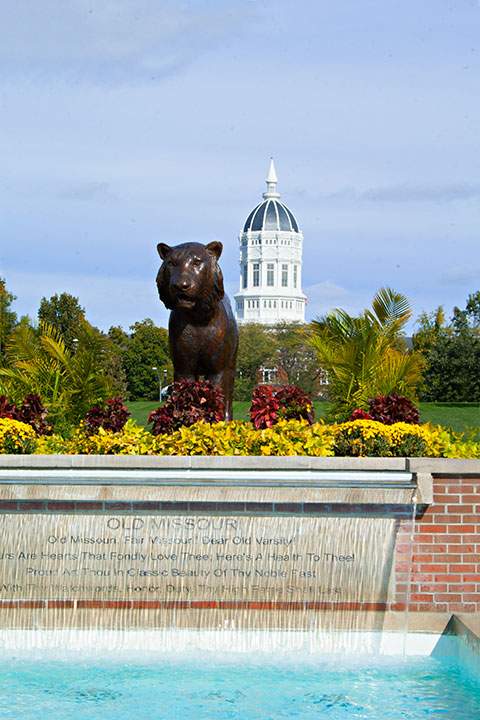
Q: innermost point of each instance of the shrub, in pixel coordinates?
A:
(370, 438)
(111, 417)
(16, 438)
(287, 437)
(191, 401)
(389, 409)
(32, 412)
(287, 402)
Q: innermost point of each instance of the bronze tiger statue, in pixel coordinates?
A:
(202, 331)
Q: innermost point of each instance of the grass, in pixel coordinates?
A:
(456, 415)
(449, 414)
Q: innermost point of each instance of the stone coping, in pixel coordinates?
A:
(436, 466)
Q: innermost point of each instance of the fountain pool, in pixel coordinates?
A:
(185, 675)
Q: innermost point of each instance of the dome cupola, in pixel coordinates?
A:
(270, 263)
(271, 214)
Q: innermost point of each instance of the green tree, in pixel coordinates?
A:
(451, 355)
(256, 347)
(69, 382)
(64, 313)
(296, 357)
(141, 350)
(366, 355)
(8, 318)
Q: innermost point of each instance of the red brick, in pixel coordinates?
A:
(461, 529)
(468, 488)
(431, 548)
(435, 568)
(32, 505)
(61, 603)
(471, 597)
(233, 604)
(448, 597)
(8, 505)
(475, 577)
(89, 604)
(449, 558)
(462, 587)
(461, 508)
(88, 505)
(423, 558)
(461, 548)
(8, 604)
(422, 597)
(461, 607)
(147, 604)
(259, 605)
(60, 506)
(423, 577)
(293, 605)
(399, 549)
(175, 604)
(433, 528)
(313, 605)
(445, 498)
(118, 604)
(206, 604)
(446, 481)
(431, 588)
(27, 604)
(448, 518)
(462, 568)
(466, 498)
(448, 578)
(374, 606)
(397, 606)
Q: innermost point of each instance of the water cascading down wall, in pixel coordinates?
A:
(237, 542)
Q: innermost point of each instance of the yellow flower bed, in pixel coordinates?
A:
(360, 438)
(16, 438)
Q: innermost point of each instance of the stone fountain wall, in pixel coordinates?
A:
(238, 542)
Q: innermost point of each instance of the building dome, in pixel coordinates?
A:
(273, 215)
(270, 263)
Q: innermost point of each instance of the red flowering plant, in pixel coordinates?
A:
(31, 412)
(112, 416)
(269, 405)
(389, 409)
(191, 401)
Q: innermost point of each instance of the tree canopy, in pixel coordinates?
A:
(451, 353)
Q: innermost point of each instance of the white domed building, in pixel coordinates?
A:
(270, 263)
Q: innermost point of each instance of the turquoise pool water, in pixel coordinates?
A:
(243, 688)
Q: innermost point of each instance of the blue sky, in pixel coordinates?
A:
(124, 123)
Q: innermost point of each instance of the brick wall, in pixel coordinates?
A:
(446, 550)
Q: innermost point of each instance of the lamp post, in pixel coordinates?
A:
(159, 383)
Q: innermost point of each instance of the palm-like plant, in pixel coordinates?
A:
(68, 381)
(364, 356)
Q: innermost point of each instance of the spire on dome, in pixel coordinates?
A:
(271, 183)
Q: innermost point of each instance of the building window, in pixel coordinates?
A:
(245, 275)
(256, 274)
(284, 275)
(270, 274)
(295, 275)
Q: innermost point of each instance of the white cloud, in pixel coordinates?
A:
(111, 40)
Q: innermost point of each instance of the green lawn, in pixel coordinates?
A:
(457, 415)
